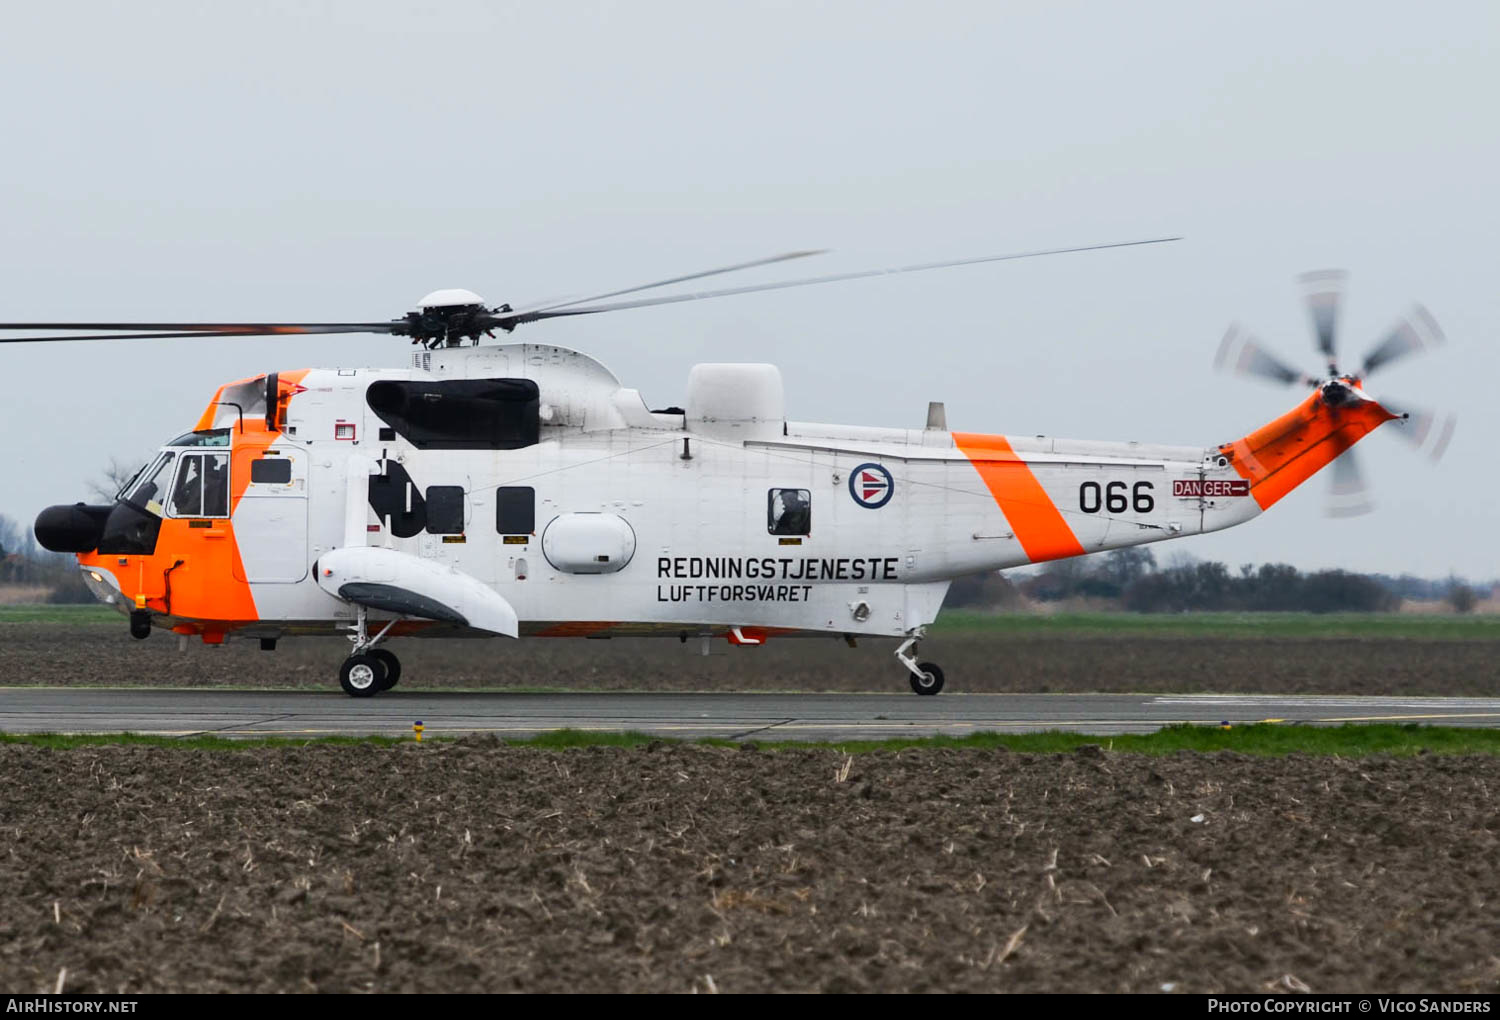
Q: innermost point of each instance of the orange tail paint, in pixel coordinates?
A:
(1279, 456)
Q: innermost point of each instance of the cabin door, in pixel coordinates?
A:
(270, 523)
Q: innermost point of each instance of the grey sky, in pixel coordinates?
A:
(337, 161)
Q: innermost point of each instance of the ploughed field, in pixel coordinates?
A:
(1304, 655)
(477, 866)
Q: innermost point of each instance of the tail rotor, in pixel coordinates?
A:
(1416, 332)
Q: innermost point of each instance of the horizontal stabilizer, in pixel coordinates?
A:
(396, 582)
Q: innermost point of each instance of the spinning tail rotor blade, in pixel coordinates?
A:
(1429, 432)
(1241, 354)
(1417, 331)
(507, 320)
(1324, 292)
(1348, 495)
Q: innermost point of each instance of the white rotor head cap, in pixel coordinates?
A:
(449, 298)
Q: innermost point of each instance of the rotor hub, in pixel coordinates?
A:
(446, 318)
(1340, 392)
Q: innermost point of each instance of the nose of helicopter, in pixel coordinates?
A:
(71, 528)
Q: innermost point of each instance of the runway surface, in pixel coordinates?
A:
(175, 712)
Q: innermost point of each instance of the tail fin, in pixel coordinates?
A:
(1279, 456)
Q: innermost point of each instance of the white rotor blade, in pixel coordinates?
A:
(1417, 331)
(1241, 354)
(1348, 495)
(1429, 432)
(1324, 292)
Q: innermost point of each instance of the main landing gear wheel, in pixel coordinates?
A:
(930, 681)
(362, 676)
(390, 663)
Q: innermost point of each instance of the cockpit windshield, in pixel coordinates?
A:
(145, 491)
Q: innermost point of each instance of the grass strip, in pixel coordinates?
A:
(1433, 627)
(60, 614)
(1267, 739)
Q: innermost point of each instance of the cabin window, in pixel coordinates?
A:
(789, 512)
(271, 470)
(202, 486)
(445, 509)
(515, 510)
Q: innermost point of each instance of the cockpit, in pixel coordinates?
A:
(189, 477)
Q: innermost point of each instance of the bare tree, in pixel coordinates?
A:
(12, 537)
(115, 475)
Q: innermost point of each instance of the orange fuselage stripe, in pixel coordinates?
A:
(1035, 519)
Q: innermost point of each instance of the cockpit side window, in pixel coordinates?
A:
(202, 486)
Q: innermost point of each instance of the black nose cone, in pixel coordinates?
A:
(71, 529)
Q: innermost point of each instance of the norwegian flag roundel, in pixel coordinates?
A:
(871, 486)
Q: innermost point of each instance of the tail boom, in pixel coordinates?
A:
(1281, 455)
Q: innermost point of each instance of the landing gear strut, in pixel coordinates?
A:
(368, 670)
(926, 677)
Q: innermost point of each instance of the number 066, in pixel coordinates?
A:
(1114, 497)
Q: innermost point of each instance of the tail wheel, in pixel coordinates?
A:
(391, 665)
(362, 676)
(929, 680)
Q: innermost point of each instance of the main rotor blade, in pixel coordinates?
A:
(1429, 432)
(1323, 291)
(172, 331)
(1415, 332)
(786, 257)
(508, 319)
(1241, 354)
(1348, 495)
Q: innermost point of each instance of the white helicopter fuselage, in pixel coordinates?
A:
(645, 521)
(520, 490)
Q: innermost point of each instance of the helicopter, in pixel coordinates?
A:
(520, 490)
